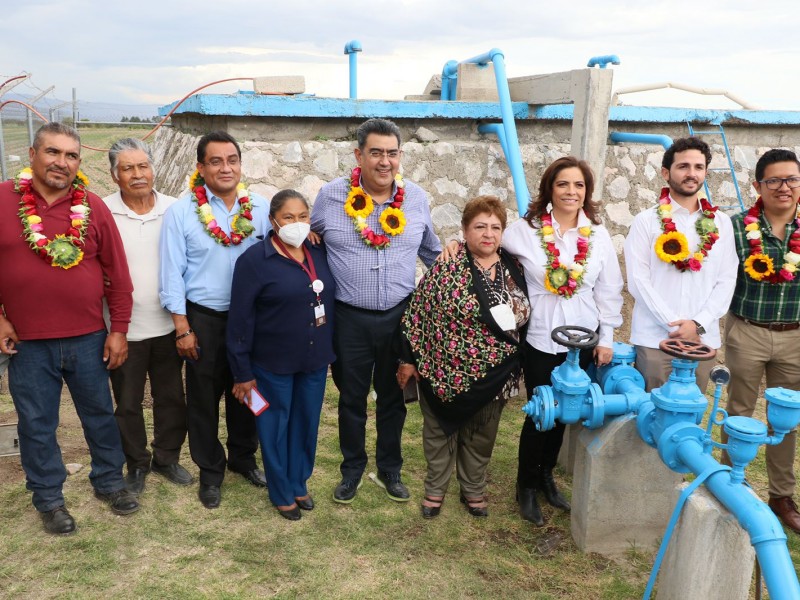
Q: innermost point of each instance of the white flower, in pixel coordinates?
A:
(549, 237)
(792, 257)
(206, 211)
(241, 191)
(78, 209)
(753, 235)
(576, 268)
(35, 237)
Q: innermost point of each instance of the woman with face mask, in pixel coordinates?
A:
(280, 343)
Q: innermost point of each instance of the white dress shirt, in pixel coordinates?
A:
(663, 293)
(598, 300)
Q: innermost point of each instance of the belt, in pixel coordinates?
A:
(369, 311)
(220, 314)
(771, 326)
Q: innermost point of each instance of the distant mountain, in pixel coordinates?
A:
(93, 111)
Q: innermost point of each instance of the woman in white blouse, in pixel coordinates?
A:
(573, 278)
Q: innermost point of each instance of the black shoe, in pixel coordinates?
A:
(134, 481)
(346, 491)
(393, 486)
(292, 514)
(528, 506)
(305, 503)
(58, 521)
(122, 502)
(475, 511)
(430, 512)
(174, 473)
(210, 495)
(254, 476)
(551, 493)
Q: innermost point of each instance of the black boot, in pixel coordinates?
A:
(551, 493)
(528, 506)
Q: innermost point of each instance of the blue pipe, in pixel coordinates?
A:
(641, 138)
(513, 155)
(603, 61)
(352, 48)
(497, 129)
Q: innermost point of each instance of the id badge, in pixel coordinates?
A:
(504, 317)
(319, 315)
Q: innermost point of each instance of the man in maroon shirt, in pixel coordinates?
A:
(56, 243)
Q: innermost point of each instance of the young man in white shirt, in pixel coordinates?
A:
(681, 265)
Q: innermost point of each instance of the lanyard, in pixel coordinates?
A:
(310, 270)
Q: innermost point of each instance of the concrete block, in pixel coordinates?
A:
(434, 86)
(569, 447)
(476, 83)
(552, 88)
(622, 494)
(9, 440)
(709, 556)
(280, 84)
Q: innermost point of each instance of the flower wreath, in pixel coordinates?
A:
(673, 247)
(559, 278)
(242, 225)
(359, 206)
(759, 265)
(64, 250)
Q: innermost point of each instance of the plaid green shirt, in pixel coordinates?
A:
(762, 301)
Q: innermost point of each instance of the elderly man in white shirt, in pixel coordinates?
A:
(138, 211)
(681, 265)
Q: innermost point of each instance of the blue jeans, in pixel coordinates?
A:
(288, 430)
(35, 380)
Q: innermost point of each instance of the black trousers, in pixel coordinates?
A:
(157, 359)
(538, 450)
(207, 380)
(365, 353)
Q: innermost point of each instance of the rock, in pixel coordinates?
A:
(423, 134)
(73, 468)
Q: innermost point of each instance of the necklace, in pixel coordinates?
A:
(359, 206)
(673, 247)
(64, 250)
(242, 224)
(759, 265)
(559, 278)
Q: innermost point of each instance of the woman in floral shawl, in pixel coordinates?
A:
(462, 332)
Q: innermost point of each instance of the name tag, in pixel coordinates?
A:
(504, 317)
(319, 315)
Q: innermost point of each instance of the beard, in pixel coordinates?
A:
(686, 187)
(59, 184)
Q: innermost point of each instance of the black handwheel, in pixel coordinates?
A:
(575, 336)
(687, 350)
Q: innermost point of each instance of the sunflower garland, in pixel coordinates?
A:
(673, 247)
(242, 224)
(359, 205)
(64, 250)
(562, 279)
(759, 265)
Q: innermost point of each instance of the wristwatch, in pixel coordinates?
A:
(700, 329)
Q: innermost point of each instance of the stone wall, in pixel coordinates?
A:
(454, 163)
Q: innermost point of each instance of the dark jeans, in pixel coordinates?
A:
(36, 376)
(363, 343)
(208, 379)
(538, 450)
(157, 358)
(288, 430)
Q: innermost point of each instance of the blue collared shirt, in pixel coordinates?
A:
(195, 267)
(366, 277)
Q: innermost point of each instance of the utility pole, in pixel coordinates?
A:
(75, 108)
(32, 102)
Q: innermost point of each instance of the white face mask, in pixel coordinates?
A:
(294, 233)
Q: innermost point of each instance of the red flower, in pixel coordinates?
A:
(73, 232)
(555, 264)
(42, 242)
(78, 195)
(670, 227)
(236, 238)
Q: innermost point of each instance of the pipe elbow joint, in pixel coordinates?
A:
(352, 46)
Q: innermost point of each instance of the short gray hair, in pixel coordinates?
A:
(122, 146)
(54, 128)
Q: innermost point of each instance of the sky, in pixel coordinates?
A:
(149, 52)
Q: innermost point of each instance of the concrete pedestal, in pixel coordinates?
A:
(566, 457)
(709, 555)
(622, 494)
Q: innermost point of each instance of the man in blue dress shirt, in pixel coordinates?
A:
(204, 233)
(375, 225)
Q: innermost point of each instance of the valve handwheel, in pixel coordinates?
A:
(575, 336)
(687, 350)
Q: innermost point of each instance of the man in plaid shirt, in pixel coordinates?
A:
(763, 331)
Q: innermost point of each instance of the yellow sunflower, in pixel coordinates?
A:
(759, 266)
(82, 178)
(196, 180)
(393, 221)
(358, 203)
(672, 247)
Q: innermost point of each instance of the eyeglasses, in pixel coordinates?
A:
(777, 182)
(233, 161)
(391, 154)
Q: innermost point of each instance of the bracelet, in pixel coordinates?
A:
(184, 334)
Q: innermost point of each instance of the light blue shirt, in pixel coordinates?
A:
(195, 267)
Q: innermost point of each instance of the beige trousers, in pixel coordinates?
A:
(468, 450)
(655, 366)
(750, 352)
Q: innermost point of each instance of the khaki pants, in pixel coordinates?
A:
(469, 450)
(655, 366)
(751, 351)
